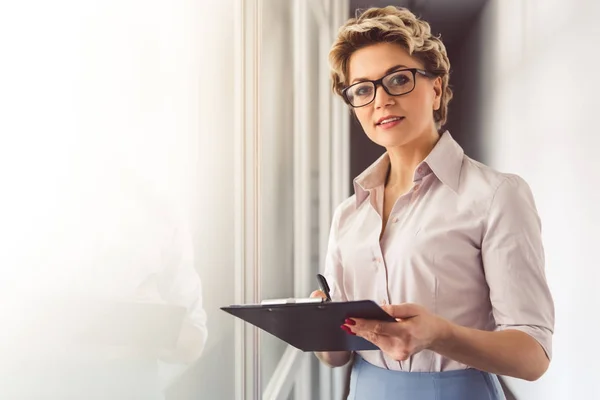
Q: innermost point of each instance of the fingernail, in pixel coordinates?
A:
(347, 330)
(349, 321)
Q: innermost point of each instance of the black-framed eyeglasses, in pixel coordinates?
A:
(397, 83)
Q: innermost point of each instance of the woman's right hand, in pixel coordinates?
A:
(331, 358)
(318, 293)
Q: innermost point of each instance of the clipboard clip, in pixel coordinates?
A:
(306, 300)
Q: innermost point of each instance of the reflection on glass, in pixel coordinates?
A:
(110, 286)
(114, 293)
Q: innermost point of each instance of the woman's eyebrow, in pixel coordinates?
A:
(389, 70)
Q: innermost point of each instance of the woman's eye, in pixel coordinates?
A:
(362, 91)
(399, 80)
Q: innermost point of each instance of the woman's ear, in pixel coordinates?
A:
(437, 88)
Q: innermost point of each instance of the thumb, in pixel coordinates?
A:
(405, 310)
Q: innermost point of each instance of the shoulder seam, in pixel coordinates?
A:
(505, 178)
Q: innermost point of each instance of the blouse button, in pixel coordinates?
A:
(384, 302)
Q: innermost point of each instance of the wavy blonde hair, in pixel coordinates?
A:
(392, 25)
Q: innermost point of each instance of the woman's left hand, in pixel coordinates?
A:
(415, 329)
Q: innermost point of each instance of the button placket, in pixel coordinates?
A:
(380, 273)
(396, 214)
(417, 188)
(377, 262)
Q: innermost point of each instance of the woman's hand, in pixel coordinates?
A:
(318, 293)
(331, 358)
(415, 329)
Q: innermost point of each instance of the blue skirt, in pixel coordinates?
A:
(368, 382)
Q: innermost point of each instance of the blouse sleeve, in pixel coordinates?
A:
(513, 261)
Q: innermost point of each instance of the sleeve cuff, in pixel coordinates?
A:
(542, 335)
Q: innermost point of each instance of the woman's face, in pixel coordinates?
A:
(415, 109)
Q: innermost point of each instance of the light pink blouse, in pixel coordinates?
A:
(465, 243)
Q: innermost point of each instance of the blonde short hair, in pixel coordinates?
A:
(391, 25)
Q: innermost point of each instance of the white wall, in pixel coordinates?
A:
(142, 88)
(539, 119)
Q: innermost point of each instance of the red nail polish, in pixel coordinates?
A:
(349, 321)
(347, 330)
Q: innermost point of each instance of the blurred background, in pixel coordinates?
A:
(201, 138)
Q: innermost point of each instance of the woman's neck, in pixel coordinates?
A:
(405, 159)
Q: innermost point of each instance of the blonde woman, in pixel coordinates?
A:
(449, 246)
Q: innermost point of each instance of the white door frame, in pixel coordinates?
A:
(247, 30)
(300, 376)
(294, 369)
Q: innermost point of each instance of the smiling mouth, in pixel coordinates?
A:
(390, 121)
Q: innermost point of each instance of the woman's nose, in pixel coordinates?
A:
(382, 98)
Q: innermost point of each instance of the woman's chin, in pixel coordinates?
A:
(398, 137)
(390, 139)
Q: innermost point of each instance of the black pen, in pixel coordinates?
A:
(323, 286)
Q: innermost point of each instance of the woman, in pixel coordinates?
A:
(450, 247)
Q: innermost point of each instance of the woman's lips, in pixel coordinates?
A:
(389, 125)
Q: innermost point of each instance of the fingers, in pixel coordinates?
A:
(403, 311)
(393, 346)
(361, 326)
(380, 334)
(318, 293)
(397, 339)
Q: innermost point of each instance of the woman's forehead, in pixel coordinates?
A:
(372, 62)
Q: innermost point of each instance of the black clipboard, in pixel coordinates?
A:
(312, 326)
